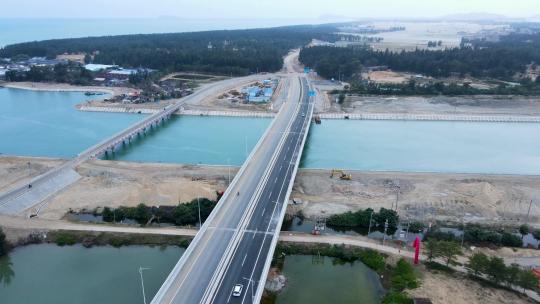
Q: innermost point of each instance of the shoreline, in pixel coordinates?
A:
(63, 87)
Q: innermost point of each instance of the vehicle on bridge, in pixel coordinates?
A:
(237, 290)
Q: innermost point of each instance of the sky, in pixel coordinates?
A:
(267, 9)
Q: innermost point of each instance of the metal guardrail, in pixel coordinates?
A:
(432, 117)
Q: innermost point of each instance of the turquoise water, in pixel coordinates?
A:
(50, 274)
(47, 124)
(509, 148)
(198, 140)
(36, 123)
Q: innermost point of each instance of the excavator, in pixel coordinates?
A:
(341, 173)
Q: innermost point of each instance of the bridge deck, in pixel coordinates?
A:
(236, 243)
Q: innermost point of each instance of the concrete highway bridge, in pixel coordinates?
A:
(236, 243)
(31, 194)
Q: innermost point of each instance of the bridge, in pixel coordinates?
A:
(40, 188)
(236, 243)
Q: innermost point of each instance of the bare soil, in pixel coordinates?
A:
(424, 196)
(480, 105)
(442, 288)
(63, 87)
(18, 170)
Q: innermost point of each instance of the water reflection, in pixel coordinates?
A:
(6, 271)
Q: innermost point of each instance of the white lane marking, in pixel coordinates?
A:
(254, 234)
(244, 259)
(263, 211)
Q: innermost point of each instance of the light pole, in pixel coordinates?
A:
(142, 282)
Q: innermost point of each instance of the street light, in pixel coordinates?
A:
(142, 282)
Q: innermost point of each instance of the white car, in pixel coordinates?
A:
(237, 290)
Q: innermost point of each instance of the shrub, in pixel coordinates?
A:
(64, 238)
(403, 276)
(397, 298)
(511, 240)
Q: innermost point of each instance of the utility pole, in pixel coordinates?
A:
(369, 226)
(528, 212)
(385, 228)
(142, 282)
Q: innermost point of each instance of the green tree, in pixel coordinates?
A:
(478, 263)
(527, 280)
(403, 276)
(496, 270)
(432, 249)
(183, 215)
(536, 232)
(141, 215)
(524, 230)
(449, 251)
(107, 214)
(512, 274)
(341, 98)
(4, 246)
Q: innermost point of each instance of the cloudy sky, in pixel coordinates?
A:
(268, 9)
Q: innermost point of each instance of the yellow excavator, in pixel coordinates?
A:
(341, 173)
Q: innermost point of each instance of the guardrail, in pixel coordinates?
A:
(432, 117)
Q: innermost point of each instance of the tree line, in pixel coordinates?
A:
(237, 52)
(525, 87)
(366, 218)
(63, 72)
(495, 270)
(478, 58)
(181, 215)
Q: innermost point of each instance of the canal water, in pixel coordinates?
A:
(198, 140)
(425, 146)
(47, 124)
(321, 280)
(49, 274)
(34, 123)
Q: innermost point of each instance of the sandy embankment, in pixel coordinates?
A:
(462, 105)
(423, 196)
(63, 87)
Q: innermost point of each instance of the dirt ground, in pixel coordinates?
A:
(423, 196)
(114, 184)
(441, 288)
(483, 105)
(62, 87)
(387, 77)
(18, 170)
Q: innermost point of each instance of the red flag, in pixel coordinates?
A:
(416, 246)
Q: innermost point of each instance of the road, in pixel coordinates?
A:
(23, 197)
(236, 243)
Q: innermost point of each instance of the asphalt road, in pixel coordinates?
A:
(234, 244)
